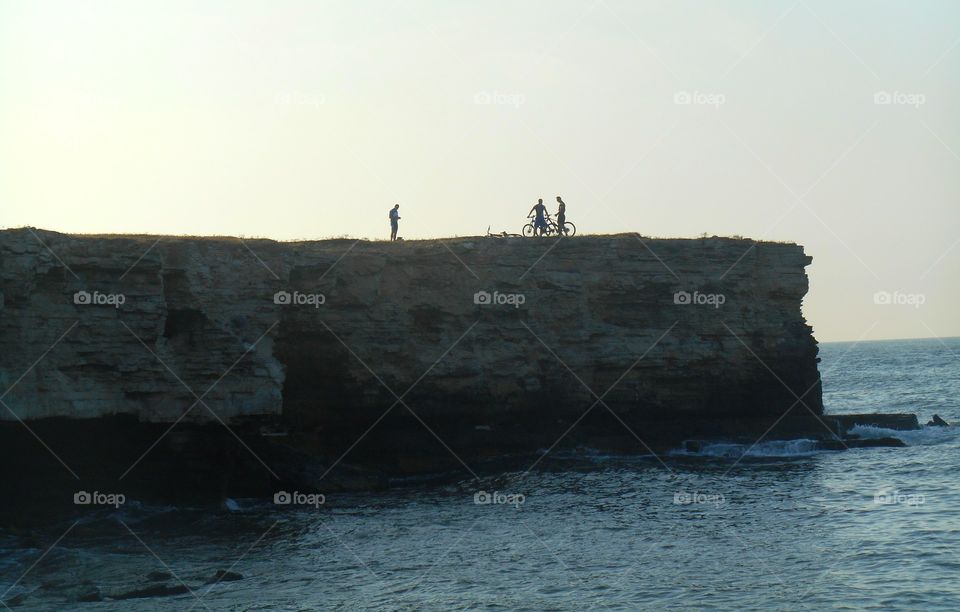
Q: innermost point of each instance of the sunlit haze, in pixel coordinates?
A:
(829, 124)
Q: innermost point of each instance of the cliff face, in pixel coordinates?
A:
(472, 333)
(205, 367)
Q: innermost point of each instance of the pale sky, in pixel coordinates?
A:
(305, 120)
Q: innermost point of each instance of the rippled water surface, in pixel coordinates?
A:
(783, 527)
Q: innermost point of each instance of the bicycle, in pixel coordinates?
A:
(501, 234)
(569, 229)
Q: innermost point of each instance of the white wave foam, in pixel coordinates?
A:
(775, 448)
(913, 437)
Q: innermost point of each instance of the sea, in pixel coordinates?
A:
(766, 526)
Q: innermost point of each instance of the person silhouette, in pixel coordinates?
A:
(561, 216)
(394, 221)
(540, 223)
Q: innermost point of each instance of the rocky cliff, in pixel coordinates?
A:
(466, 343)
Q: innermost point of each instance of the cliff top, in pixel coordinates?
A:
(339, 239)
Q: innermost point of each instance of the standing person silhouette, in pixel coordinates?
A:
(561, 216)
(539, 224)
(394, 221)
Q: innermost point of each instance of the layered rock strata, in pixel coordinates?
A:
(414, 355)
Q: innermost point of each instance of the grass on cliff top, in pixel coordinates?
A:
(345, 237)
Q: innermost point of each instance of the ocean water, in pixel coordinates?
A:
(773, 526)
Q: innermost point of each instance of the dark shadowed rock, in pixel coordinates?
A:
(936, 421)
(304, 472)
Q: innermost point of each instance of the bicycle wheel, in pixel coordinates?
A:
(528, 229)
(569, 229)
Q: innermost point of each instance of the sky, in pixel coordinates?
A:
(830, 124)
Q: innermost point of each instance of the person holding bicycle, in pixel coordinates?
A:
(540, 223)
